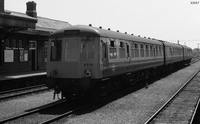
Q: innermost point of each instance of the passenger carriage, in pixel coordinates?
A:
(85, 58)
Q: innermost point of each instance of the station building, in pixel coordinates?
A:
(23, 40)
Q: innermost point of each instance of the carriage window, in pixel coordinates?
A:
(172, 52)
(160, 51)
(175, 51)
(154, 51)
(104, 50)
(56, 50)
(178, 51)
(170, 49)
(132, 51)
(147, 51)
(112, 43)
(151, 50)
(141, 50)
(136, 50)
(181, 52)
(122, 53)
(127, 50)
(112, 50)
(121, 45)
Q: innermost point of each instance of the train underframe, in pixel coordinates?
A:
(72, 88)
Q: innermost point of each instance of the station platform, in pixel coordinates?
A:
(21, 75)
(20, 80)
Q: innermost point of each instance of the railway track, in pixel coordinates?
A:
(46, 114)
(31, 112)
(22, 91)
(194, 60)
(181, 107)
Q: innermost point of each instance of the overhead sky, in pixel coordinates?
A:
(169, 20)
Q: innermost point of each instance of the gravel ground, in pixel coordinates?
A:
(138, 106)
(18, 105)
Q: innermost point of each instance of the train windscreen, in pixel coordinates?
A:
(65, 49)
(73, 49)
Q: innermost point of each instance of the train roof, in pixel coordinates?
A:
(172, 44)
(106, 33)
(186, 47)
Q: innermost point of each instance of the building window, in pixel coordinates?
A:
(23, 57)
(15, 50)
(21, 44)
(10, 50)
(32, 45)
(8, 55)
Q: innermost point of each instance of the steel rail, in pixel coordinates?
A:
(171, 98)
(63, 115)
(194, 60)
(195, 111)
(21, 92)
(20, 89)
(35, 110)
(57, 118)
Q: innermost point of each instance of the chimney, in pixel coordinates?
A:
(31, 9)
(1, 6)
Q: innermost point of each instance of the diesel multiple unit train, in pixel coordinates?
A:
(85, 60)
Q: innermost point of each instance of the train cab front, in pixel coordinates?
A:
(72, 61)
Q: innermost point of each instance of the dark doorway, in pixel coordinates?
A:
(33, 60)
(1, 52)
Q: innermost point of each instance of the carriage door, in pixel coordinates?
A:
(104, 53)
(127, 50)
(1, 52)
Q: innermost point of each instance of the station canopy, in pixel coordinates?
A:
(10, 21)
